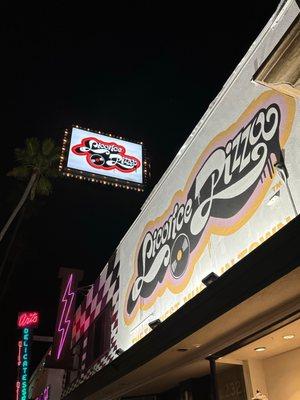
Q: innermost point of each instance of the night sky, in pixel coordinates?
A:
(140, 70)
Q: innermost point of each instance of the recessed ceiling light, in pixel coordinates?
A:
(290, 336)
(260, 349)
(197, 345)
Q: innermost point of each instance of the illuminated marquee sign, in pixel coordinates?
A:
(29, 319)
(103, 158)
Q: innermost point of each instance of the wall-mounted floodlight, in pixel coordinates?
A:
(84, 289)
(283, 175)
(210, 278)
(153, 324)
(119, 351)
(273, 200)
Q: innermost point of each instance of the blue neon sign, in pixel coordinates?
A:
(24, 368)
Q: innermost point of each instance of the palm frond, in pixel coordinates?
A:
(51, 172)
(32, 146)
(20, 155)
(48, 146)
(41, 159)
(43, 186)
(20, 172)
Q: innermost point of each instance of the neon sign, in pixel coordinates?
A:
(64, 323)
(19, 362)
(28, 319)
(19, 352)
(24, 367)
(61, 355)
(44, 395)
(18, 384)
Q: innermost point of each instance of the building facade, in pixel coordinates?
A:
(202, 296)
(46, 383)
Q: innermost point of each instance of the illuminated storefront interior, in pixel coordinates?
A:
(270, 365)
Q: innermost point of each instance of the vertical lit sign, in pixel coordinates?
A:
(65, 317)
(19, 357)
(24, 367)
(26, 321)
(61, 355)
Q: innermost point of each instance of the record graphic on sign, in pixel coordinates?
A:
(97, 159)
(180, 255)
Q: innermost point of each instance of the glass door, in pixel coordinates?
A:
(230, 381)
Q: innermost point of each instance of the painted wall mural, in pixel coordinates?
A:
(105, 290)
(226, 186)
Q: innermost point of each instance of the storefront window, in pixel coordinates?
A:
(230, 381)
(265, 369)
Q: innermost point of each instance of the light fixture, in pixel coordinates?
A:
(153, 324)
(282, 171)
(119, 351)
(288, 337)
(283, 175)
(273, 199)
(260, 349)
(210, 278)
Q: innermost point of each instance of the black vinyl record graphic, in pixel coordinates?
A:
(180, 255)
(98, 159)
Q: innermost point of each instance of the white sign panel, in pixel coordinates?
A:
(104, 155)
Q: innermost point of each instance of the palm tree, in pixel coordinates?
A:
(38, 161)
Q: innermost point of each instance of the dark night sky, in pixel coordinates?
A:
(141, 70)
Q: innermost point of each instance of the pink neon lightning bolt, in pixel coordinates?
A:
(64, 323)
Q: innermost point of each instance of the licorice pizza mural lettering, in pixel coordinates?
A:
(226, 186)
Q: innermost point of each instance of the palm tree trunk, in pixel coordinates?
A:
(19, 205)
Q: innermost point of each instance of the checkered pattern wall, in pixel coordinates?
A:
(104, 290)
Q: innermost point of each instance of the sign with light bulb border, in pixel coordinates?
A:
(104, 158)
